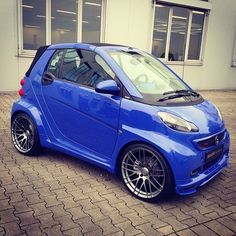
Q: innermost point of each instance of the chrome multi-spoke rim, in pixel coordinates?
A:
(143, 172)
(22, 134)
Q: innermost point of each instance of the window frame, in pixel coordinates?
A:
(186, 61)
(233, 64)
(31, 53)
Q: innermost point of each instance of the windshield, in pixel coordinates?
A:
(150, 76)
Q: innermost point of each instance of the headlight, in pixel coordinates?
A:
(177, 123)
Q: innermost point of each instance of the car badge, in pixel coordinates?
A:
(217, 140)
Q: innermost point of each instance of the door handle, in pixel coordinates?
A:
(47, 78)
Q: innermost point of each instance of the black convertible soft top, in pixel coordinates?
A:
(38, 54)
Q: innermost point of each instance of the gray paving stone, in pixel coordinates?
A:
(55, 194)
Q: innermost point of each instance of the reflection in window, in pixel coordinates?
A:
(71, 64)
(54, 64)
(160, 30)
(91, 23)
(95, 74)
(64, 21)
(178, 33)
(34, 23)
(196, 35)
(104, 66)
(81, 67)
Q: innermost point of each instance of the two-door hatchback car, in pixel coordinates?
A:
(121, 109)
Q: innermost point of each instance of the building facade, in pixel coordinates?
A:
(195, 38)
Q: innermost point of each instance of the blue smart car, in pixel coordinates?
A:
(121, 109)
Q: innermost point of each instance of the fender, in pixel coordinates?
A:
(136, 126)
(23, 106)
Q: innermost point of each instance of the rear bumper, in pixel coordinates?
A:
(202, 178)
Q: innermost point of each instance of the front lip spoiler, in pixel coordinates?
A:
(203, 178)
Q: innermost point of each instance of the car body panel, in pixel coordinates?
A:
(89, 112)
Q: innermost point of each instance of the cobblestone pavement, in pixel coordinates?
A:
(55, 194)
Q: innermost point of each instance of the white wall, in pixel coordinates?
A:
(12, 68)
(129, 22)
(216, 72)
(8, 46)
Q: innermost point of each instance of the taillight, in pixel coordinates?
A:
(21, 91)
(22, 82)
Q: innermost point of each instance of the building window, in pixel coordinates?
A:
(160, 31)
(64, 22)
(44, 22)
(178, 33)
(179, 28)
(33, 23)
(92, 12)
(196, 33)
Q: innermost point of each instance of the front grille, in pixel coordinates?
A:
(215, 140)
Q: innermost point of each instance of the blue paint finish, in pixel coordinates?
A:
(96, 127)
(108, 87)
(89, 113)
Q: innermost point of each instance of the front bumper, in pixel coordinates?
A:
(191, 185)
(203, 178)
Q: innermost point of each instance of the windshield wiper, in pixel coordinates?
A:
(173, 97)
(178, 93)
(183, 92)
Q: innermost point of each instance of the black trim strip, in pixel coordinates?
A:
(170, 104)
(38, 54)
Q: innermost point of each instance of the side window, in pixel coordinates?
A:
(70, 65)
(85, 68)
(54, 63)
(104, 65)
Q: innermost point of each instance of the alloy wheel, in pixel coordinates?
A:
(143, 172)
(22, 134)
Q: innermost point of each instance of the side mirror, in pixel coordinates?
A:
(107, 87)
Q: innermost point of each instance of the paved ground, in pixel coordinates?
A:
(55, 194)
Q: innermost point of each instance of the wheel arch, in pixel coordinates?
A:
(119, 156)
(19, 112)
(33, 113)
(24, 112)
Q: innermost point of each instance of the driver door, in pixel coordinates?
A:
(78, 115)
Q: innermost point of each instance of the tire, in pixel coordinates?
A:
(145, 172)
(24, 135)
